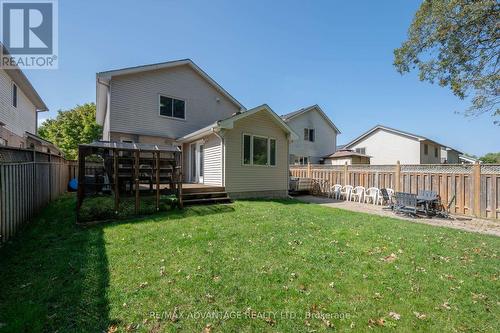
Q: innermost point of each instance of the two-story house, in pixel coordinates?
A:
(19, 107)
(223, 143)
(387, 145)
(317, 135)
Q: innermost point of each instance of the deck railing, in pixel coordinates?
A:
(475, 187)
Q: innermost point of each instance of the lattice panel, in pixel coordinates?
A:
(490, 169)
(438, 168)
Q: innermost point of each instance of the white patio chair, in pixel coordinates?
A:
(358, 193)
(372, 195)
(335, 191)
(345, 192)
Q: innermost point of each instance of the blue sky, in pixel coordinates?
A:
(288, 54)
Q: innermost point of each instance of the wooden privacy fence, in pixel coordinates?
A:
(476, 187)
(28, 181)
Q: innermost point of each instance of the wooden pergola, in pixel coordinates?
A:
(127, 169)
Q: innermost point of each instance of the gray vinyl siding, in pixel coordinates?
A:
(240, 178)
(134, 102)
(325, 142)
(18, 119)
(212, 172)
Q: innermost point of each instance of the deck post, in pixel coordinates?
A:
(476, 171)
(346, 174)
(136, 177)
(81, 180)
(157, 181)
(117, 188)
(179, 184)
(397, 176)
(308, 169)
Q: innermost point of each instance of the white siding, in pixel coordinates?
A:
(134, 102)
(212, 173)
(326, 137)
(387, 148)
(18, 120)
(241, 178)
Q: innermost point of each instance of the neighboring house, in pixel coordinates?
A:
(450, 155)
(341, 157)
(177, 103)
(468, 160)
(387, 145)
(317, 135)
(19, 107)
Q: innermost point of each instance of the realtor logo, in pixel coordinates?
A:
(29, 33)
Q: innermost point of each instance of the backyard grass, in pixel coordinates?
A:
(251, 266)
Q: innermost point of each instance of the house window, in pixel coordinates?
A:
(272, 151)
(426, 149)
(259, 150)
(300, 160)
(361, 150)
(309, 134)
(435, 152)
(172, 107)
(14, 95)
(3, 142)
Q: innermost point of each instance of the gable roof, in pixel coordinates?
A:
(107, 75)
(228, 123)
(345, 153)
(394, 131)
(17, 75)
(287, 117)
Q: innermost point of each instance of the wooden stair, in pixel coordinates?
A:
(205, 196)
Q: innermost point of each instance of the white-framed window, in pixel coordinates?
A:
(3, 142)
(259, 150)
(301, 160)
(309, 134)
(172, 107)
(14, 95)
(361, 150)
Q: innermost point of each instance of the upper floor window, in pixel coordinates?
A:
(14, 95)
(361, 150)
(172, 107)
(309, 134)
(435, 152)
(426, 148)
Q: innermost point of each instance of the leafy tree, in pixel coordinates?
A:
(71, 128)
(491, 158)
(455, 42)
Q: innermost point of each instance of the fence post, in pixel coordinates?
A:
(346, 175)
(476, 171)
(308, 169)
(397, 180)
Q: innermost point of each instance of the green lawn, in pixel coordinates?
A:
(252, 266)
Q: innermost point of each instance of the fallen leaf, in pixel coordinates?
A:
(394, 315)
(270, 321)
(446, 305)
(143, 284)
(390, 258)
(112, 329)
(328, 323)
(419, 315)
(162, 271)
(207, 328)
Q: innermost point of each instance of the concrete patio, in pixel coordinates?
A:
(483, 226)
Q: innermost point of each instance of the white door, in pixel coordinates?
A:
(196, 162)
